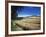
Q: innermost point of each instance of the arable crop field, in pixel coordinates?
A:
(27, 23)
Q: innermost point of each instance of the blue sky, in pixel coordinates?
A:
(29, 11)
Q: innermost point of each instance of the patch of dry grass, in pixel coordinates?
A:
(32, 23)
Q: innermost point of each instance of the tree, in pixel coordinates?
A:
(14, 10)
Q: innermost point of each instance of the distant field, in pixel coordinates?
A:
(27, 23)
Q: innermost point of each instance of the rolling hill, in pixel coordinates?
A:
(28, 23)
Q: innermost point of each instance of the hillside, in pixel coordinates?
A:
(28, 23)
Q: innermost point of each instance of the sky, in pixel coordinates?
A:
(28, 11)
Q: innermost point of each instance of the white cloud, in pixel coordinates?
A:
(24, 15)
